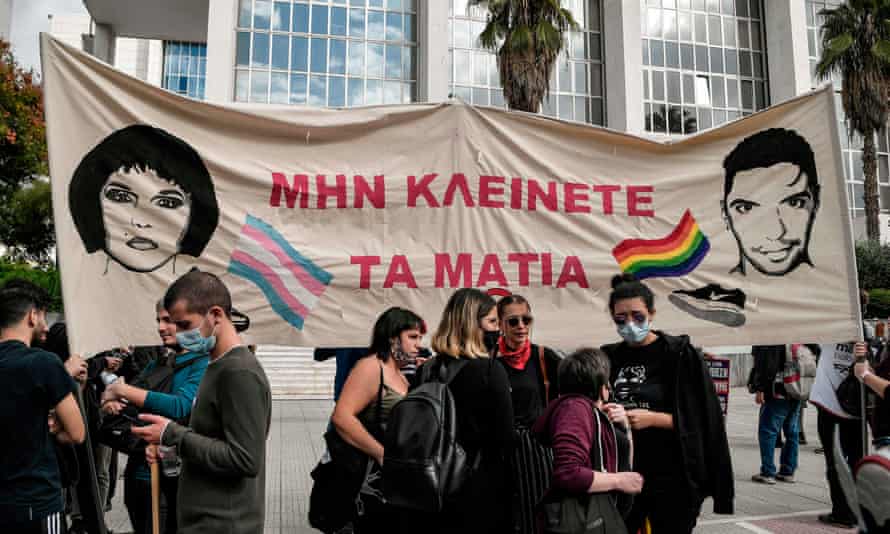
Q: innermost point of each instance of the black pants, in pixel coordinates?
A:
(851, 448)
(137, 498)
(669, 508)
(52, 524)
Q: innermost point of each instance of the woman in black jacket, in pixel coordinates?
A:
(680, 444)
(532, 371)
(481, 395)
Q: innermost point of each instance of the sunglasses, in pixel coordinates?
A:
(514, 321)
(636, 317)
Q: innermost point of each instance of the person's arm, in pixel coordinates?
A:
(866, 375)
(360, 390)
(640, 418)
(68, 416)
(177, 404)
(244, 404)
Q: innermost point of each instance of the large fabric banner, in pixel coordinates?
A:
(319, 220)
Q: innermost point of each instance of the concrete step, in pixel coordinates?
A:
(293, 374)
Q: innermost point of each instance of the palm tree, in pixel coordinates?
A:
(856, 45)
(527, 36)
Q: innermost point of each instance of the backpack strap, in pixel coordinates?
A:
(448, 372)
(544, 374)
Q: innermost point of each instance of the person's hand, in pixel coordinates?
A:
(860, 350)
(115, 391)
(758, 398)
(54, 426)
(112, 407)
(420, 360)
(151, 433)
(861, 369)
(629, 482)
(76, 367)
(113, 363)
(640, 419)
(152, 456)
(617, 414)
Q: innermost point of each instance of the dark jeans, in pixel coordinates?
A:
(851, 448)
(137, 497)
(669, 507)
(778, 415)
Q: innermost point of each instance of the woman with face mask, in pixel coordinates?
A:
(377, 378)
(680, 445)
(489, 323)
(532, 371)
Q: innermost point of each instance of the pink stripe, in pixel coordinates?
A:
(309, 282)
(273, 279)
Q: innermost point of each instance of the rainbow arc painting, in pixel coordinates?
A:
(677, 254)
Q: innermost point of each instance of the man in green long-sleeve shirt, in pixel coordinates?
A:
(223, 450)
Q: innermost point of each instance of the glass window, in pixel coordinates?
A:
(279, 94)
(374, 92)
(376, 26)
(356, 22)
(319, 19)
(393, 61)
(338, 21)
(259, 86)
(394, 27)
(301, 18)
(319, 55)
(280, 45)
(299, 59)
(318, 86)
(375, 60)
(281, 17)
(242, 85)
(356, 66)
(262, 14)
(298, 89)
(260, 50)
(336, 91)
(356, 95)
(242, 46)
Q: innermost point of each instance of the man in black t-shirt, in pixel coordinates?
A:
(33, 383)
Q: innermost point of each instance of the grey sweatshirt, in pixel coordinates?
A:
(223, 450)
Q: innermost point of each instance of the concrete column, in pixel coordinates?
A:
(103, 42)
(222, 18)
(623, 53)
(787, 52)
(433, 56)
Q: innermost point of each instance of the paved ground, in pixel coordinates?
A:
(295, 446)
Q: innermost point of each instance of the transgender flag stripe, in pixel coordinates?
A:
(290, 282)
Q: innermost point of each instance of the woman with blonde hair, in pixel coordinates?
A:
(484, 411)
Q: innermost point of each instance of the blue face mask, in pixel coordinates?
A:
(633, 332)
(194, 341)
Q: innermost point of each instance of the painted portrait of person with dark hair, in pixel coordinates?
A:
(770, 200)
(143, 196)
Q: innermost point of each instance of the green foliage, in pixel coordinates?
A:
(27, 230)
(873, 264)
(47, 278)
(878, 303)
(527, 36)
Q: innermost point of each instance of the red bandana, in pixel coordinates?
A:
(517, 358)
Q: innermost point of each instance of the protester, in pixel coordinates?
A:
(532, 372)
(176, 405)
(680, 445)
(877, 380)
(377, 378)
(584, 460)
(223, 450)
(36, 400)
(779, 414)
(481, 393)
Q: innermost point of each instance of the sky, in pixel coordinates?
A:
(29, 18)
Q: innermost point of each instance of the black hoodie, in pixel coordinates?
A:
(699, 424)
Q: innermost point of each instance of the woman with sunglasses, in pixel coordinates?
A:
(532, 371)
(680, 444)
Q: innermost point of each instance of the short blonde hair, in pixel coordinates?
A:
(459, 334)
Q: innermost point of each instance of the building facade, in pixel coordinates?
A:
(648, 67)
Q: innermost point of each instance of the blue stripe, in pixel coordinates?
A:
(317, 272)
(281, 308)
(677, 270)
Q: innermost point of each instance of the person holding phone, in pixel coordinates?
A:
(176, 405)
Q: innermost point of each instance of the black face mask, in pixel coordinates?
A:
(490, 338)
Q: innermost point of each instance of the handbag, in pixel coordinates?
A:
(594, 513)
(338, 477)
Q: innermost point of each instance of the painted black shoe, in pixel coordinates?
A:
(712, 303)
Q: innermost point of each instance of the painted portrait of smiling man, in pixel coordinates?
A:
(143, 196)
(770, 200)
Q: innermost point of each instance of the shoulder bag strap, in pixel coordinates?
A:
(544, 374)
(378, 410)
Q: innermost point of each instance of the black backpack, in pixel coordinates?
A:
(114, 430)
(423, 464)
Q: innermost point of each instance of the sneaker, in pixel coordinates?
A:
(785, 478)
(831, 519)
(763, 479)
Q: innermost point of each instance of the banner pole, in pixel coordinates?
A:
(155, 496)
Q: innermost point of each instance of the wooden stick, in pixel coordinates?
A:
(155, 494)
